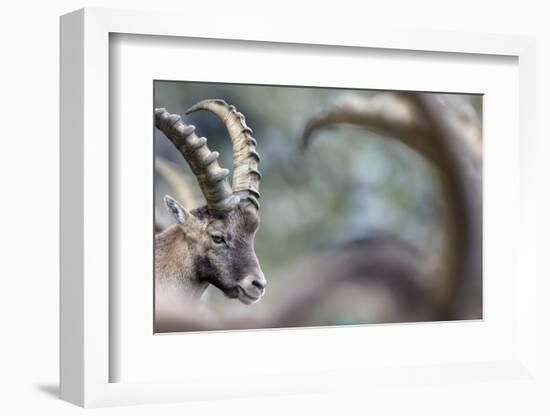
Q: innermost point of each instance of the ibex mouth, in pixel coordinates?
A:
(246, 297)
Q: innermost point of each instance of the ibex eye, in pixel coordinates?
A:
(217, 238)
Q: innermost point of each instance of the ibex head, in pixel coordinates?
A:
(218, 237)
(222, 248)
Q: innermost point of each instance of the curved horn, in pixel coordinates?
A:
(203, 163)
(397, 115)
(420, 121)
(387, 114)
(462, 158)
(246, 176)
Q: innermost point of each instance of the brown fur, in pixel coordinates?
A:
(190, 255)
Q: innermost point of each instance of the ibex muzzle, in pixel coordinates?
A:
(213, 244)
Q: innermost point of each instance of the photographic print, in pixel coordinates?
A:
(284, 206)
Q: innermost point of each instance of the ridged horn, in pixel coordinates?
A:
(246, 176)
(219, 196)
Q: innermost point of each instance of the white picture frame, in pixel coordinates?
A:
(86, 334)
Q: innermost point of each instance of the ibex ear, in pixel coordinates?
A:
(180, 213)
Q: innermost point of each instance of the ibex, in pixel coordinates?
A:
(213, 244)
(452, 141)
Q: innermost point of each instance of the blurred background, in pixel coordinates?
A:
(320, 209)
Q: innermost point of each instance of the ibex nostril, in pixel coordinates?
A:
(259, 284)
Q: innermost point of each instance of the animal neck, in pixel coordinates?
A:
(174, 265)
